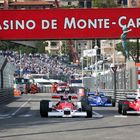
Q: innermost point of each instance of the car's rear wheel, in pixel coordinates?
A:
(108, 99)
(113, 102)
(44, 108)
(125, 108)
(88, 109)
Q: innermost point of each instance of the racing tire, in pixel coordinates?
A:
(120, 103)
(125, 108)
(108, 99)
(44, 108)
(84, 101)
(88, 109)
(113, 102)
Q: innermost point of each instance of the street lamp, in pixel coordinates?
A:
(20, 71)
(81, 59)
(96, 65)
(114, 69)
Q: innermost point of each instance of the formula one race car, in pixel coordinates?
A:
(62, 87)
(129, 106)
(100, 99)
(65, 107)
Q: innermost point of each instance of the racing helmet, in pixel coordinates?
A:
(96, 92)
(138, 97)
(64, 97)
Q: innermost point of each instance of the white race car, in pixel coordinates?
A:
(64, 108)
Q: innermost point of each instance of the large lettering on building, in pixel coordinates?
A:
(68, 23)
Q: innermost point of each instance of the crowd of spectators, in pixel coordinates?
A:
(38, 64)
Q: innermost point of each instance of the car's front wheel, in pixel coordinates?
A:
(44, 108)
(113, 102)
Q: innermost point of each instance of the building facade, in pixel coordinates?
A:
(53, 47)
(133, 3)
(28, 4)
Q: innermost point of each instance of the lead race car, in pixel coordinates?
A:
(129, 106)
(62, 87)
(65, 107)
(100, 99)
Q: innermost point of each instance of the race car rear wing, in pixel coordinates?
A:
(91, 93)
(95, 94)
(60, 96)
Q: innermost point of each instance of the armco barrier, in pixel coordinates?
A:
(120, 94)
(6, 95)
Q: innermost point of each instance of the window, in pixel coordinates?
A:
(46, 44)
(81, 4)
(53, 43)
(69, 3)
(89, 5)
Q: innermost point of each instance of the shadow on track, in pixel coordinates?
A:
(70, 130)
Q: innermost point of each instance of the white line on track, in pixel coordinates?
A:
(96, 115)
(120, 116)
(25, 115)
(4, 115)
(14, 113)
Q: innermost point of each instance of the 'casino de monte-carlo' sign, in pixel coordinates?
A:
(68, 23)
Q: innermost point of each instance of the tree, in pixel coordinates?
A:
(40, 46)
(8, 45)
(4, 45)
(64, 48)
(104, 3)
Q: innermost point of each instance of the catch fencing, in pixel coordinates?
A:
(126, 79)
(6, 80)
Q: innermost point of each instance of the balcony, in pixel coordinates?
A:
(53, 47)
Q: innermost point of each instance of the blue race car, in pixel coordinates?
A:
(100, 99)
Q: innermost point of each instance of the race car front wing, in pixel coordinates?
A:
(67, 113)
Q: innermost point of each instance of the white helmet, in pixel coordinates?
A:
(138, 97)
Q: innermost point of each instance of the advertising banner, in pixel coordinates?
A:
(69, 23)
(89, 53)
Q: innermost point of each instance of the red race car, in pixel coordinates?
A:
(61, 87)
(65, 107)
(129, 106)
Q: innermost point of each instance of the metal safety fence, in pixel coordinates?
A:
(6, 79)
(126, 79)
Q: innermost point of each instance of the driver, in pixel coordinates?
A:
(97, 93)
(64, 98)
(138, 97)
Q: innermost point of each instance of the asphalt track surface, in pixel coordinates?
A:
(20, 120)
